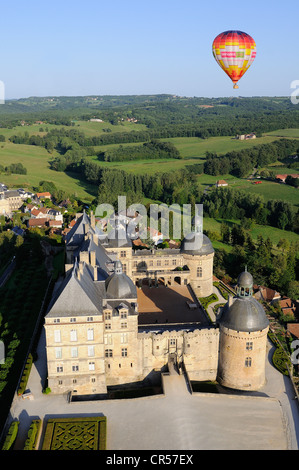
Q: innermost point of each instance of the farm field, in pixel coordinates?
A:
(192, 150)
(36, 160)
(270, 190)
(275, 234)
(287, 133)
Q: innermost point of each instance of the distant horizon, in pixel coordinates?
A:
(143, 94)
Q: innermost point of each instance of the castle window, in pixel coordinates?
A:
(248, 362)
(72, 320)
(60, 382)
(59, 369)
(124, 268)
(56, 320)
(124, 338)
(73, 335)
(58, 353)
(108, 353)
(74, 381)
(199, 271)
(174, 262)
(57, 336)
(107, 316)
(107, 326)
(75, 368)
(249, 346)
(74, 352)
(93, 379)
(124, 352)
(123, 325)
(89, 318)
(172, 342)
(108, 339)
(123, 254)
(90, 335)
(123, 315)
(91, 366)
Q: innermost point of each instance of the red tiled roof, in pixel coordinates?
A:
(293, 328)
(46, 194)
(37, 222)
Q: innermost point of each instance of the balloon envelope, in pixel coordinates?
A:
(234, 51)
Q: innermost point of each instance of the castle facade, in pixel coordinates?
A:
(94, 334)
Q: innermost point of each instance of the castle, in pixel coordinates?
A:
(106, 324)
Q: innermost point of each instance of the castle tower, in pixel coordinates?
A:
(198, 254)
(243, 338)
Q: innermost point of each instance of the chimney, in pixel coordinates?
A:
(95, 273)
(95, 239)
(79, 269)
(92, 220)
(92, 258)
(230, 300)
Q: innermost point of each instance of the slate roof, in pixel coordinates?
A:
(76, 235)
(78, 295)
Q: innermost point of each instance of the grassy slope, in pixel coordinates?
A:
(36, 160)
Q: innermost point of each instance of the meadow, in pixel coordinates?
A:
(275, 234)
(192, 149)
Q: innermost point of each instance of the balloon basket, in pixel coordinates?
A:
(236, 86)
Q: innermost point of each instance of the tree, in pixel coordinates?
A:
(282, 221)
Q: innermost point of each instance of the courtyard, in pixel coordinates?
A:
(160, 305)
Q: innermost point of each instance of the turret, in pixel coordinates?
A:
(243, 339)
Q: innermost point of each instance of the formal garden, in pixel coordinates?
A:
(84, 433)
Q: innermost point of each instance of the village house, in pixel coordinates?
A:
(282, 178)
(45, 195)
(221, 183)
(266, 294)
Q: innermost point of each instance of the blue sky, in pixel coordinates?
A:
(120, 47)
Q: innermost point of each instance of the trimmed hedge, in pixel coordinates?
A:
(33, 434)
(11, 435)
(25, 376)
(280, 358)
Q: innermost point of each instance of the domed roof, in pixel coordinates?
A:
(245, 279)
(119, 285)
(245, 313)
(196, 243)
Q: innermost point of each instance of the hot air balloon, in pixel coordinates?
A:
(234, 51)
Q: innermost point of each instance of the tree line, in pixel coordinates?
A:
(238, 163)
(228, 203)
(149, 150)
